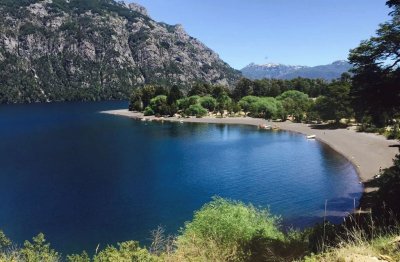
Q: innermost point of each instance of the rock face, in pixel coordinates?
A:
(56, 50)
(279, 71)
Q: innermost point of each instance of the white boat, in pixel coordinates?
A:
(311, 137)
(266, 127)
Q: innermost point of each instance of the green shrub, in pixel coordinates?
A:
(222, 229)
(38, 250)
(84, 257)
(159, 105)
(148, 111)
(126, 252)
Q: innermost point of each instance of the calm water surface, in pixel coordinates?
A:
(85, 178)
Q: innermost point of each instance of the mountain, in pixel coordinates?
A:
(254, 71)
(61, 50)
(279, 71)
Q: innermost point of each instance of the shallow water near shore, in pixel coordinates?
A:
(85, 178)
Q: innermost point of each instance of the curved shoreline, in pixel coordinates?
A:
(367, 152)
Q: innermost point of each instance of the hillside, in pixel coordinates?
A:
(279, 71)
(58, 50)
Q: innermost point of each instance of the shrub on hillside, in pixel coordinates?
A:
(222, 230)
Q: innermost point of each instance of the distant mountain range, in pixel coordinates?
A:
(280, 71)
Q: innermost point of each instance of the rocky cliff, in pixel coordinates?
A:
(57, 50)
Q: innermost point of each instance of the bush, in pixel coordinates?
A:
(38, 250)
(159, 105)
(222, 229)
(148, 111)
(126, 252)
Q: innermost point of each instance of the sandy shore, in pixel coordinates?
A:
(368, 152)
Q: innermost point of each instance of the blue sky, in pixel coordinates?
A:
(298, 32)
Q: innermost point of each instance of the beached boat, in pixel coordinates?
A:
(311, 137)
(264, 126)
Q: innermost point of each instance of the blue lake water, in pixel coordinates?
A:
(85, 178)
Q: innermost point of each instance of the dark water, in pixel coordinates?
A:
(85, 178)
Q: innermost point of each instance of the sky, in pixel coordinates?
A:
(294, 32)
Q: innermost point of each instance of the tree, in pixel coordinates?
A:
(159, 105)
(246, 102)
(200, 89)
(136, 103)
(243, 88)
(265, 107)
(148, 92)
(209, 103)
(174, 95)
(295, 103)
(4, 241)
(223, 103)
(219, 91)
(336, 104)
(376, 71)
(38, 250)
(186, 102)
(196, 110)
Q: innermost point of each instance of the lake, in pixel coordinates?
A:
(85, 178)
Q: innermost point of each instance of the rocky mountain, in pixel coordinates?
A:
(279, 71)
(60, 50)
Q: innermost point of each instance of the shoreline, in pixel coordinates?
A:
(366, 151)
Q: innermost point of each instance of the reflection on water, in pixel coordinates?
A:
(85, 178)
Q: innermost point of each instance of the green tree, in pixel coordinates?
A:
(200, 89)
(208, 102)
(148, 92)
(244, 87)
(4, 241)
(186, 102)
(295, 103)
(125, 252)
(174, 95)
(219, 91)
(196, 110)
(84, 257)
(223, 102)
(376, 71)
(265, 107)
(337, 103)
(246, 102)
(136, 103)
(38, 250)
(159, 105)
